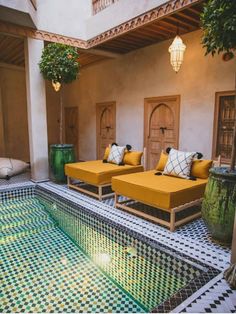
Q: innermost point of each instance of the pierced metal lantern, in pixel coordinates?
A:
(176, 50)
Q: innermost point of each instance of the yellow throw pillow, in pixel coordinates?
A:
(132, 158)
(162, 162)
(200, 168)
(106, 154)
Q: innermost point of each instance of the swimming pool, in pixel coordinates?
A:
(71, 260)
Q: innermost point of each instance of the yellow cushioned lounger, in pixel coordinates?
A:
(170, 194)
(96, 173)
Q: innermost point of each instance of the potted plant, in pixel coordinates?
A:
(59, 64)
(218, 209)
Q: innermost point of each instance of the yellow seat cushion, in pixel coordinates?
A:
(200, 168)
(96, 172)
(159, 191)
(132, 158)
(162, 161)
(106, 153)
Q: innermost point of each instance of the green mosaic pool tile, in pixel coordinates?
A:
(46, 272)
(150, 275)
(13, 209)
(32, 216)
(11, 234)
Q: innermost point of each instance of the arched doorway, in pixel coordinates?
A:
(106, 126)
(161, 126)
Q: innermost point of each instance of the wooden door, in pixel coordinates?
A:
(71, 127)
(106, 126)
(225, 115)
(161, 126)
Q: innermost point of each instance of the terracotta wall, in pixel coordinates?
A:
(147, 73)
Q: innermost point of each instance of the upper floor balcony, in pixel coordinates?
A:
(99, 5)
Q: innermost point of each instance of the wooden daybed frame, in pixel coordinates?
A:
(172, 224)
(98, 195)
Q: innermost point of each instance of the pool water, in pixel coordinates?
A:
(98, 268)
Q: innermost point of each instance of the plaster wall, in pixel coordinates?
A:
(121, 11)
(14, 113)
(147, 73)
(64, 17)
(18, 12)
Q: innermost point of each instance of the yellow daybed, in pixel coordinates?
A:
(170, 194)
(96, 173)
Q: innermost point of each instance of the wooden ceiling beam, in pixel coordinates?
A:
(3, 41)
(190, 18)
(179, 23)
(151, 33)
(18, 49)
(163, 29)
(194, 10)
(123, 42)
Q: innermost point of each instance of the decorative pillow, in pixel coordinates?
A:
(162, 162)
(200, 168)
(116, 154)
(132, 158)
(106, 153)
(179, 163)
(10, 167)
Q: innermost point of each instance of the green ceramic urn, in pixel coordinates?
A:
(61, 154)
(218, 207)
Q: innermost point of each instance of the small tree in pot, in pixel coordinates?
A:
(219, 36)
(59, 64)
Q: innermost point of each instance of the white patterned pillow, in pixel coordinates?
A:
(179, 163)
(116, 154)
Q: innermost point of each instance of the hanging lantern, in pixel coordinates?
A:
(56, 86)
(176, 50)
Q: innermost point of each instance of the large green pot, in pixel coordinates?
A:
(218, 207)
(61, 154)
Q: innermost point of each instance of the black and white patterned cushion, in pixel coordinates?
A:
(116, 154)
(179, 163)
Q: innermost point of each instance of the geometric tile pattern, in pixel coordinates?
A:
(20, 178)
(205, 251)
(192, 239)
(46, 272)
(147, 274)
(219, 298)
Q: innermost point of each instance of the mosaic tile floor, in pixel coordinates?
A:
(21, 178)
(44, 271)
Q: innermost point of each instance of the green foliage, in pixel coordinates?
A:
(219, 26)
(59, 63)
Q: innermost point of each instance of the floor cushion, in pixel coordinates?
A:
(10, 167)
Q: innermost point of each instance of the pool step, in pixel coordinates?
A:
(15, 209)
(35, 214)
(13, 233)
(20, 219)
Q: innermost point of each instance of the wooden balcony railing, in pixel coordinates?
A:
(99, 5)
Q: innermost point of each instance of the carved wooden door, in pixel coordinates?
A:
(225, 116)
(106, 126)
(71, 127)
(161, 126)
